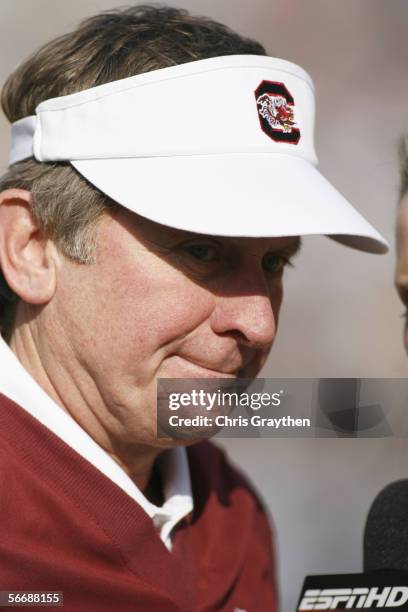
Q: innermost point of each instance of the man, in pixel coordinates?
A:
(153, 199)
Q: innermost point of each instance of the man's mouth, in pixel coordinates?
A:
(184, 367)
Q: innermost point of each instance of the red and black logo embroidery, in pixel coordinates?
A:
(276, 112)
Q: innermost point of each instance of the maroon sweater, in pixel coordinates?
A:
(64, 526)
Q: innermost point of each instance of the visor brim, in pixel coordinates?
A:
(239, 194)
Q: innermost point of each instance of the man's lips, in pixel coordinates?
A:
(183, 367)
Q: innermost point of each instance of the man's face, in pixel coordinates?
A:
(164, 303)
(401, 275)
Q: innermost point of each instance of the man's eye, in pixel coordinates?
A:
(273, 263)
(203, 252)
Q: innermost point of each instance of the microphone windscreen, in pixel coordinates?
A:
(386, 530)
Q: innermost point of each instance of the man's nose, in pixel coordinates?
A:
(251, 313)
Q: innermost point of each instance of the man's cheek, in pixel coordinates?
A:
(181, 308)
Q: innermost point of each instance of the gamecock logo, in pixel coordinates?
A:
(276, 112)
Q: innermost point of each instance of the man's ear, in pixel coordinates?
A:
(27, 259)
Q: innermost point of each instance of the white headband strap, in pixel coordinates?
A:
(22, 135)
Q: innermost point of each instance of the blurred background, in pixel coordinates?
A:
(341, 316)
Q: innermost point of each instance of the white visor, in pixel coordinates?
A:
(220, 146)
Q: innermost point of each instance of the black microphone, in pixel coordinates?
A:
(386, 531)
(384, 583)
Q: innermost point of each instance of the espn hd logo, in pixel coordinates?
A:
(355, 598)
